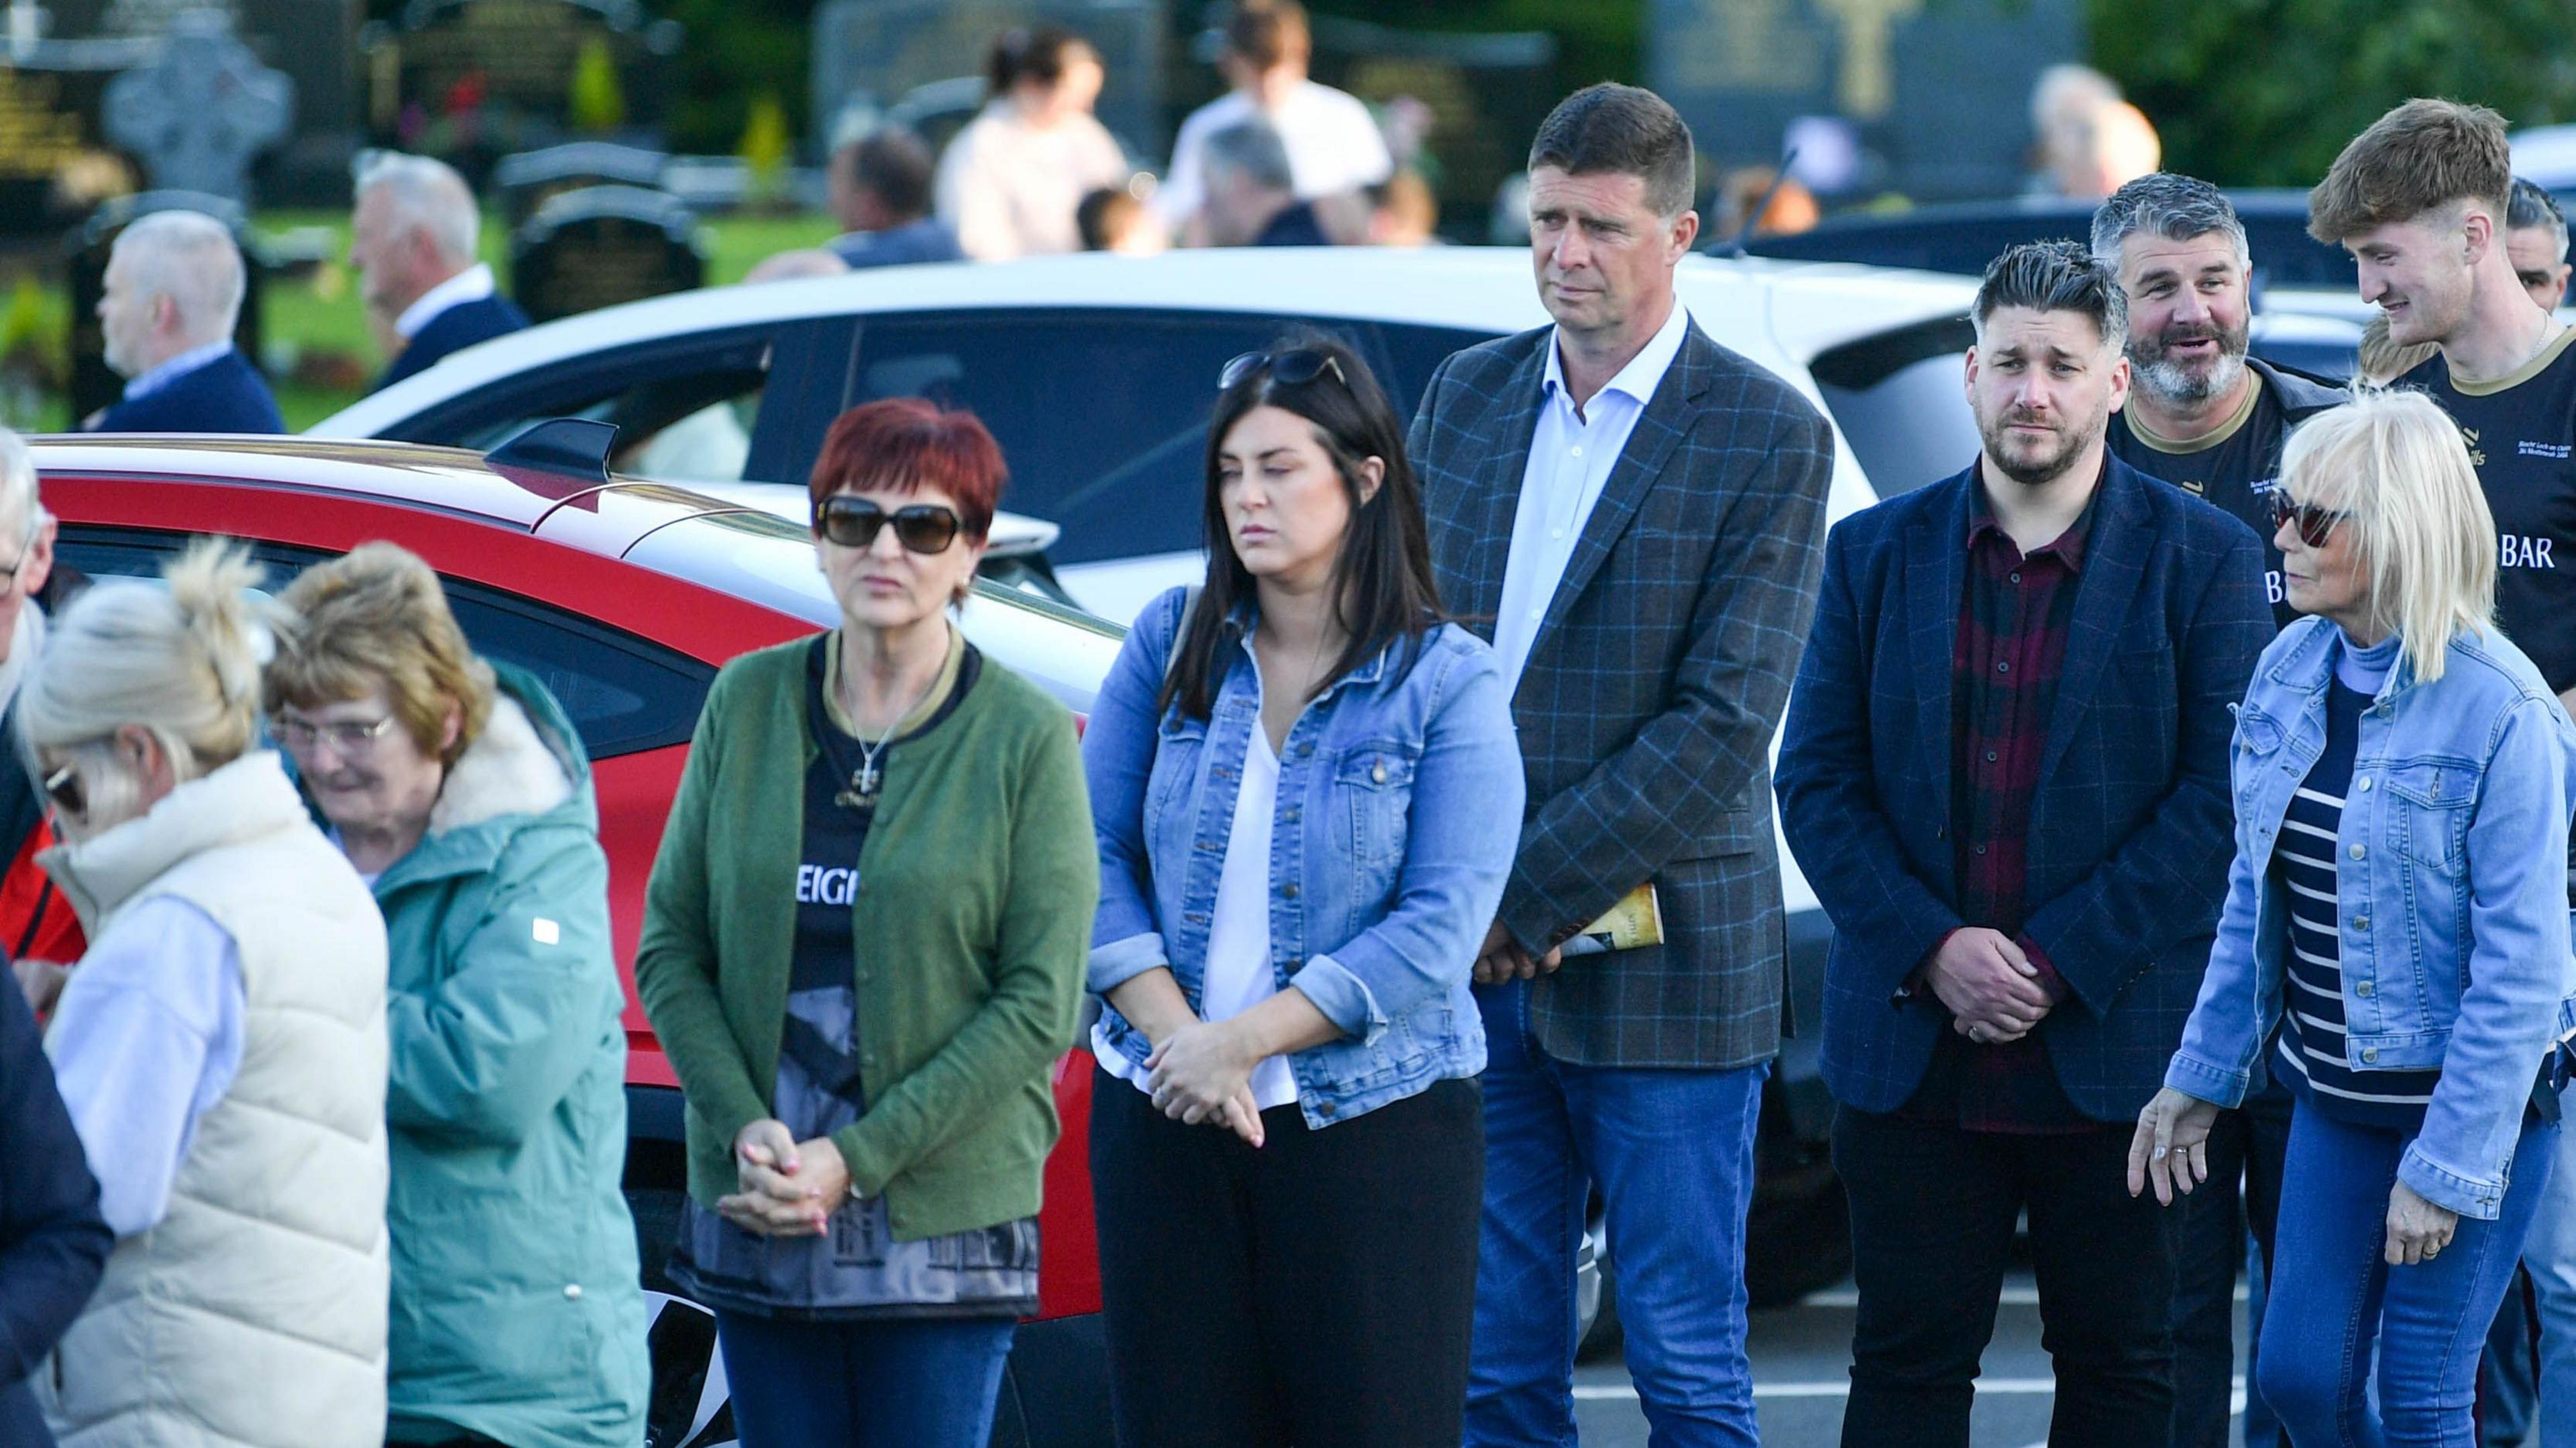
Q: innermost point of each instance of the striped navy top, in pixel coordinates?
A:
(2312, 1024)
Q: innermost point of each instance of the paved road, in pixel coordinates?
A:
(1801, 1357)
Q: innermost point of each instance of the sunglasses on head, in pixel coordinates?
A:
(2315, 524)
(1293, 368)
(855, 523)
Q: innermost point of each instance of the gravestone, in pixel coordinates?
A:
(471, 81)
(201, 110)
(1939, 90)
(530, 179)
(877, 53)
(55, 159)
(94, 383)
(601, 246)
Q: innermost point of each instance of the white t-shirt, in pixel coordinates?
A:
(1333, 146)
(1239, 974)
(1010, 189)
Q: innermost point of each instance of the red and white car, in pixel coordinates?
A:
(624, 597)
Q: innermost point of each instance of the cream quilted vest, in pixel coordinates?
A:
(254, 1314)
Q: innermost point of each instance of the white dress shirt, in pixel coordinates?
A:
(156, 378)
(1570, 459)
(470, 285)
(1332, 141)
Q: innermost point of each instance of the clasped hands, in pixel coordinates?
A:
(1994, 993)
(790, 1188)
(1201, 1073)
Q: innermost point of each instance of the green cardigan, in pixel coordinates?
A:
(971, 926)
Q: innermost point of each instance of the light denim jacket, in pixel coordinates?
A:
(2452, 876)
(1399, 810)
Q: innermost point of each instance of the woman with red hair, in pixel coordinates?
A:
(864, 947)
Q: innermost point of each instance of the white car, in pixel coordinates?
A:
(1097, 375)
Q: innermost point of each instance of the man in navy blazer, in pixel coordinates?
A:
(2005, 773)
(415, 235)
(172, 296)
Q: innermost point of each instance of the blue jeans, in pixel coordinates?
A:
(2335, 1305)
(2236, 1207)
(1672, 1151)
(2549, 1252)
(864, 1384)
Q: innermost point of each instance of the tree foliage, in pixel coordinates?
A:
(2266, 92)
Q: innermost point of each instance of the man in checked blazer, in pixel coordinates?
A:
(1633, 514)
(2006, 774)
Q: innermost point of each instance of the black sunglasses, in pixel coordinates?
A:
(855, 523)
(1293, 368)
(2315, 524)
(65, 789)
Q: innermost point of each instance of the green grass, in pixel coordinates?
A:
(317, 318)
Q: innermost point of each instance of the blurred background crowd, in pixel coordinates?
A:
(694, 141)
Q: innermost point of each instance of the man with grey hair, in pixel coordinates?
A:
(2535, 238)
(1252, 193)
(38, 930)
(2203, 414)
(416, 234)
(172, 297)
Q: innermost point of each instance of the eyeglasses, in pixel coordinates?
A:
(67, 790)
(2315, 524)
(1293, 368)
(299, 735)
(855, 523)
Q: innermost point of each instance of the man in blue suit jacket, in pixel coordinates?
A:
(2006, 775)
(416, 232)
(172, 297)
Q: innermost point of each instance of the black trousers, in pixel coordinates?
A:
(2246, 1146)
(1932, 1215)
(1318, 1292)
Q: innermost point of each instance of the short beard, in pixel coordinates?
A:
(2174, 385)
(2039, 474)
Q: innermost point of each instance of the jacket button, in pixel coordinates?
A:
(2361, 922)
(1377, 775)
(2370, 1055)
(2358, 852)
(1296, 962)
(1324, 1110)
(2364, 989)
(1289, 889)
(572, 1292)
(2365, 784)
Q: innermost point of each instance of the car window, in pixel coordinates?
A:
(1101, 415)
(624, 694)
(1901, 402)
(1414, 353)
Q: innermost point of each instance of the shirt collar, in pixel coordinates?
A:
(1644, 372)
(2066, 547)
(177, 367)
(470, 285)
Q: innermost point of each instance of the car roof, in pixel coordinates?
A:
(731, 546)
(1751, 305)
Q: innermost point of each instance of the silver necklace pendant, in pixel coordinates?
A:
(862, 793)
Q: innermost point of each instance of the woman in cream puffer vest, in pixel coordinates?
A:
(221, 1047)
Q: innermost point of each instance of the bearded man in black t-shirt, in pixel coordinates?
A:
(2202, 414)
(2422, 201)
(2207, 418)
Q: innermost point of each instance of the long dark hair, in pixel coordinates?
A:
(1382, 582)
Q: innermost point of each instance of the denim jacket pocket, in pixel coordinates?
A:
(1375, 783)
(2429, 811)
(2258, 739)
(1176, 761)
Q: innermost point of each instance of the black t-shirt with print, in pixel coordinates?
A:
(2521, 432)
(2234, 469)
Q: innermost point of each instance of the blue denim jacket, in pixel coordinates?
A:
(1399, 811)
(2452, 873)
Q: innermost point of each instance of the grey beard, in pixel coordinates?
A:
(2170, 383)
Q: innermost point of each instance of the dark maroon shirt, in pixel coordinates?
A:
(2014, 612)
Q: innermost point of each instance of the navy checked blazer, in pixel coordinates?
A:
(2130, 832)
(1652, 690)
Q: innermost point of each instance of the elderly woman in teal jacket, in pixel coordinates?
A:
(462, 795)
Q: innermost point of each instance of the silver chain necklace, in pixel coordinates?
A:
(864, 780)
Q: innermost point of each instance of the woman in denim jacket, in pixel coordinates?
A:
(1307, 796)
(2397, 912)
